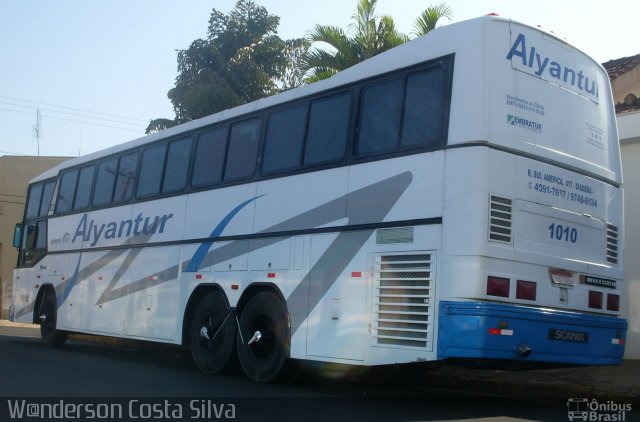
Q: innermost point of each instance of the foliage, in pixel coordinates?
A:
(241, 60)
(370, 35)
(428, 19)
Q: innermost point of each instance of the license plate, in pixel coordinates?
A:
(562, 278)
(567, 335)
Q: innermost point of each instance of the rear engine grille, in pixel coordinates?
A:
(403, 301)
(500, 219)
(612, 244)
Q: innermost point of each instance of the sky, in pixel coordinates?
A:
(97, 71)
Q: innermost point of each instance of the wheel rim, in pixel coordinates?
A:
(209, 328)
(266, 346)
(49, 324)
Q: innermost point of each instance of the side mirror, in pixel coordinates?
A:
(17, 236)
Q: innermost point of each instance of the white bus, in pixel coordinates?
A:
(458, 196)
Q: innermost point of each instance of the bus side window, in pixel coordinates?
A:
(105, 181)
(284, 140)
(67, 191)
(423, 111)
(47, 196)
(83, 192)
(33, 204)
(126, 177)
(151, 170)
(243, 150)
(380, 118)
(30, 236)
(209, 160)
(177, 165)
(328, 129)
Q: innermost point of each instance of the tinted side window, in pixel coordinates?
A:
(151, 170)
(67, 191)
(284, 140)
(380, 117)
(33, 204)
(47, 195)
(41, 235)
(177, 165)
(243, 150)
(126, 177)
(328, 129)
(105, 181)
(210, 150)
(423, 110)
(83, 193)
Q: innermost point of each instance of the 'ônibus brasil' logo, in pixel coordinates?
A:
(529, 60)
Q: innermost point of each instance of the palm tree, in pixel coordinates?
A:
(371, 36)
(429, 18)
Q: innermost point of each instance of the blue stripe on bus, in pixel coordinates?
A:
(552, 335)
(201, 252)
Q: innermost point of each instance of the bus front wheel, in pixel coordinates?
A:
(263, 340)
(212, 334)
(48, 317)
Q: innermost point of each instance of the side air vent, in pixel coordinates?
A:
(394, 235)
(500, 219)
(403, 301)
(612, 244)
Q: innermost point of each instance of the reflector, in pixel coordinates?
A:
(613, 302)
(595, 299)
(498, 286)
(526, 290)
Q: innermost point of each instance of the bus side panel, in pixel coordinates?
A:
(150, 297)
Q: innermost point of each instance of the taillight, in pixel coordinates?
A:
(526, 290)
(613, 302)
(595, 299)
(498, 286)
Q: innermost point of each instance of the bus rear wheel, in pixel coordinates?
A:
(48, 317)
(263, 343)
(213, 334)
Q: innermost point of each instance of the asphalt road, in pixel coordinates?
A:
(159, 381)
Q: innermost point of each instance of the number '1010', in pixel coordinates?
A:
(560, 232)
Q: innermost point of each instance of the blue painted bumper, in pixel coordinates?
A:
(495, 331)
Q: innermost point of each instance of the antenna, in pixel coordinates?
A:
(37, 129)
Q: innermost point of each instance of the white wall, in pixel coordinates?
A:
(629, 132)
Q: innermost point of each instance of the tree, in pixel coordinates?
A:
(371, 35)
(429, 18)
(241, 60)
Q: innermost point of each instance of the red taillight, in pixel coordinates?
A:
(613, 302)
(526, 290)
(595, 299)
(498, 286)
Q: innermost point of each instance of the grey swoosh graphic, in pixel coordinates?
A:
(369, 204)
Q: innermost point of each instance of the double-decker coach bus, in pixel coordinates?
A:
(458, 196)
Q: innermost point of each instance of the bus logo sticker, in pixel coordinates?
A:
(524, 123)
(597, 281)
(530, 60)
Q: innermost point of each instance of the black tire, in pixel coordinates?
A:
(48, 317)
(263, 360)
(212, 317)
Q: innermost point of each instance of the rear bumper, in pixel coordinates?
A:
(496, 331)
